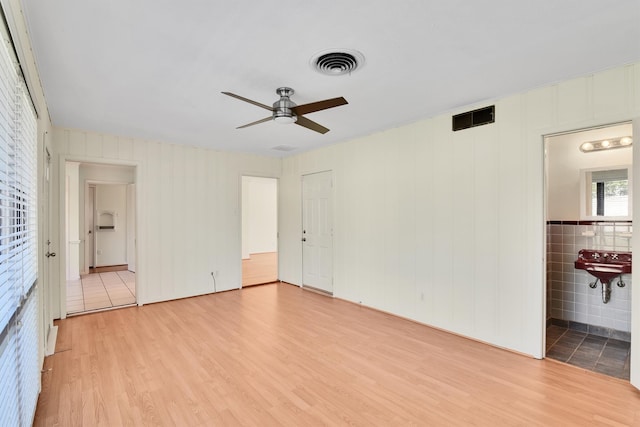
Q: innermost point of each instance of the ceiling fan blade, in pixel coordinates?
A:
(310, 124)
(320, 105)
(242, 98)
(257, 122)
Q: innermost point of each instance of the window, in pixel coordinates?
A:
(610, 193)
(606, 193)
(19, 370)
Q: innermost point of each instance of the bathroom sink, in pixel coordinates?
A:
(604, 265)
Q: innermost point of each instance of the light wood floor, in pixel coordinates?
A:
(279, 355)
(260, 268)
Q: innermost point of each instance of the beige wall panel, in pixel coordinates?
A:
(462, 232)
(442, 205)
(77, 144)
(485, 245)
(511, 214)
(574, 101)
(125, 148)
(109, 147)
(94, 145)
(541, 107)
(427, 290)
(611, 97)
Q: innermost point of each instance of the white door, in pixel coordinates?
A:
(45, 279)
(317, 231)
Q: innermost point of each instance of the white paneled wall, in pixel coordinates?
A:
(188, 209)
(448, 228)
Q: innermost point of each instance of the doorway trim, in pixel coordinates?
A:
(62, 220)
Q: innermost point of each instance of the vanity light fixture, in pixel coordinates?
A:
(606, 144)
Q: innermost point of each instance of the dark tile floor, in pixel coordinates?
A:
(600, 354)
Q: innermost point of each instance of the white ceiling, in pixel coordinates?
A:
(154, 69)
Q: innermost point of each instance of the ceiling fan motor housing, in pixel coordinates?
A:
(282, 109)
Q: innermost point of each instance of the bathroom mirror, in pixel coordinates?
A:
(605, 193)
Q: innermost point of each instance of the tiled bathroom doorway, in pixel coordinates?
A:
(101, 290)
(584, 328)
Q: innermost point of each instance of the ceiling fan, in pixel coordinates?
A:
(286, 111)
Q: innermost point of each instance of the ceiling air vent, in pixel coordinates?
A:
(284, 148)
(479, 117)
(337, 62)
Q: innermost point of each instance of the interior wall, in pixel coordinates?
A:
(447, 228)
(188, 208)
(565, 160)
(260, 215)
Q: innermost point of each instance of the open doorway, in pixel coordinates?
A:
(589, 214)
(259, 230)
(100, 226)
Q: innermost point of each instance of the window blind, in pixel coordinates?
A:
(9, 296)
(9, 402)
(28, 369)
(609, 175)
(19, 370)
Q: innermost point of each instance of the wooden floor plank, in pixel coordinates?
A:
(279, 355)
(260, 268)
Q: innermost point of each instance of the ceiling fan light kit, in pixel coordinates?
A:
(285, 120)
(286, 111)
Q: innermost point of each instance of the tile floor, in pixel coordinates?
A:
(101, 290)
(600, 354)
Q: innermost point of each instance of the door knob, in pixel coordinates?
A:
(50, 254)
(304, 239)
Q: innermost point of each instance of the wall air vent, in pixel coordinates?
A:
(479, 117)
